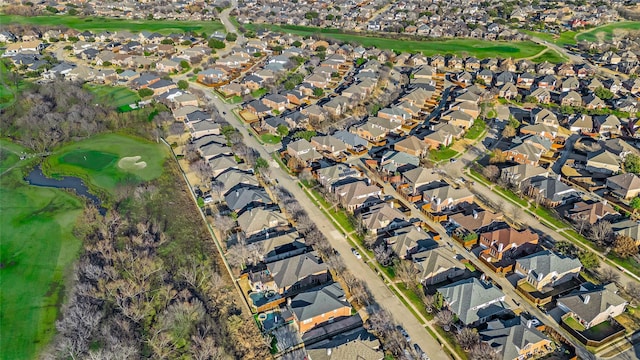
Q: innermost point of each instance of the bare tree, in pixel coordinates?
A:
(407, 273)
(444, 318)
(383, 254)
(482, 351)
(203, 171)
(217, 187)
(607, 275)
(467, 338)
(601, 233)
(191, 153)
(633, 289)
(625, 246)
(491, 172)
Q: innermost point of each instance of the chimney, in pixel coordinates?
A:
(586, 299)
(500, 247)
(328, 351)
(529, 323)
(289, 301)
(475, 214)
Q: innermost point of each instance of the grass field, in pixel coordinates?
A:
(564, 38)
(606, 32)
(442, 154)
(551, 56)
(8, 89)
(472, 47)
(115, 96)
(37, 250)
(99, 24)
(96, 160)
(270, 138)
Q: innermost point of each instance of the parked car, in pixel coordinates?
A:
(422, 354)
(404, 333)
(356, 253)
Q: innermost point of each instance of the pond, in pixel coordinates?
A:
(37, 178)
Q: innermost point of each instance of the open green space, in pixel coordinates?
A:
(270, 138)
(7, 88)
(259, 93)
(562, 39)
(607, 32)
(115, 96)
(99, 160)
(551, 56)
(100, 24)
(38, 248)
(471, 47)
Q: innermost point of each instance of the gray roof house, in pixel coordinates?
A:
(546, 268)
(592, 305)
(319, 305)
(260, 220)
(512, 339)
(246, 198)
(473, 301)
(435, 266)
(299, 272)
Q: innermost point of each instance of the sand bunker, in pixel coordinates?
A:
(131, 163)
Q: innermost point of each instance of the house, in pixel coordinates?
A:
(592, 305)
(458, 118)
(473, 301)
(352, 141)
(549, 132)
(524, 153)
(221, 164)
(356, 194)
(276, 102)
(203, 128)
(319, 306)
(515, 339)
(417, 179)
(381, 217)
(507, 243)
(603, 162)
(474, 220)
(591, 212)
(435, 266)
(409, 240)
(298, 272)
(358, 344)
(583, 124)
(211, 76)
(591, 102)
(161, 86)
(303, 151)
(629, 228)
(246, 198)
(469, 108)
(168, 65)
(625, 186)
(519, 175)
(570, 98)
(608, 125)
(336, 106)
(234, 178)
(337, 174)
(329, 144)
(541, 95)
(258, 108)
(547, 269)
(395, 161)
(370, 132)
(443, 197)
(261, 220)
(281, 246)
(508, 91)
(551, 192)
(411, 145)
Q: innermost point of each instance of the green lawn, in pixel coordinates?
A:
(7, 88)
(270, 138)
(115, 96)
(442, 154)
(565, 38)
(551, 56)
(549, 216)
(259, 93)
(471, 47)
(606, 32)
(574, 324)
(97, 160)
(38, 248)
(99, 24)
(476, 130)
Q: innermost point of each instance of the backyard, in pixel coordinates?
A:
(115, 96)
(471, 47)
(100, 24)
(38, 248)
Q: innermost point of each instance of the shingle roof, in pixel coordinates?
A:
(287, 272)
(589, 303)
(318, 301)
(546, 262)
(472, 299)
(510, 339)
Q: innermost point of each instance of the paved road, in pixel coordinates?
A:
(382, 295)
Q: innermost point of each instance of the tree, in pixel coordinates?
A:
(184, 64)
(203, 171)
(509, 131)
(633, 289)
(318, 92)
(231, 37)
(608, 275)
(601, 233)
(632, 164)
(467, 338)
(589, 260)
(183, 84)
(625, 246)
(283, 130)
(261, 165)
(444, 318)
(383, 254)
(483, 351)
(145, 92)
(604, 94)
(491, 172)
(215, 44)
(406, 272)
(635, 203)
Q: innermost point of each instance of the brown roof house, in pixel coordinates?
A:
(411, 145)
(357, 194)
(591, 212)
(303, 151)
(458, 118)
(505, 245)
(435, 266)
(625, 186)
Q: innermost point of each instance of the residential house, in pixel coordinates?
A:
(625, 186)
(507, 244)
(475, 220)
(583, 124)
(591, 212)
(547, 269)
(473, 301)
(203, 128)
(352, 141)
(276, 102)
(356, 194)
(261, 221)
(411, 145)
(395, 161)
(592, 305)
(458, 118)
(279, 247)
(357, 344)
(409, 240)
(298, 272)
(381, 217)
(246, 198)
(221, 164)
(303, 151)
(570, 98)
(524, 153)
(329, 145)
(515, 339)
(370, 132)
(541, 95)
(604, 162)
(608, 125)
(319, 306)
(337, 174)
(629, 228)
(439, 198)
(519, 175)
(417, 179)
(551, 192)
(435, 266)
(592, 102)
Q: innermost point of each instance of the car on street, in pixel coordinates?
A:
(404, 333)
(422, 354)
(452, 160)
(356, 253)
(224, 113)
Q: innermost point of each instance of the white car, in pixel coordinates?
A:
(356, 253)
